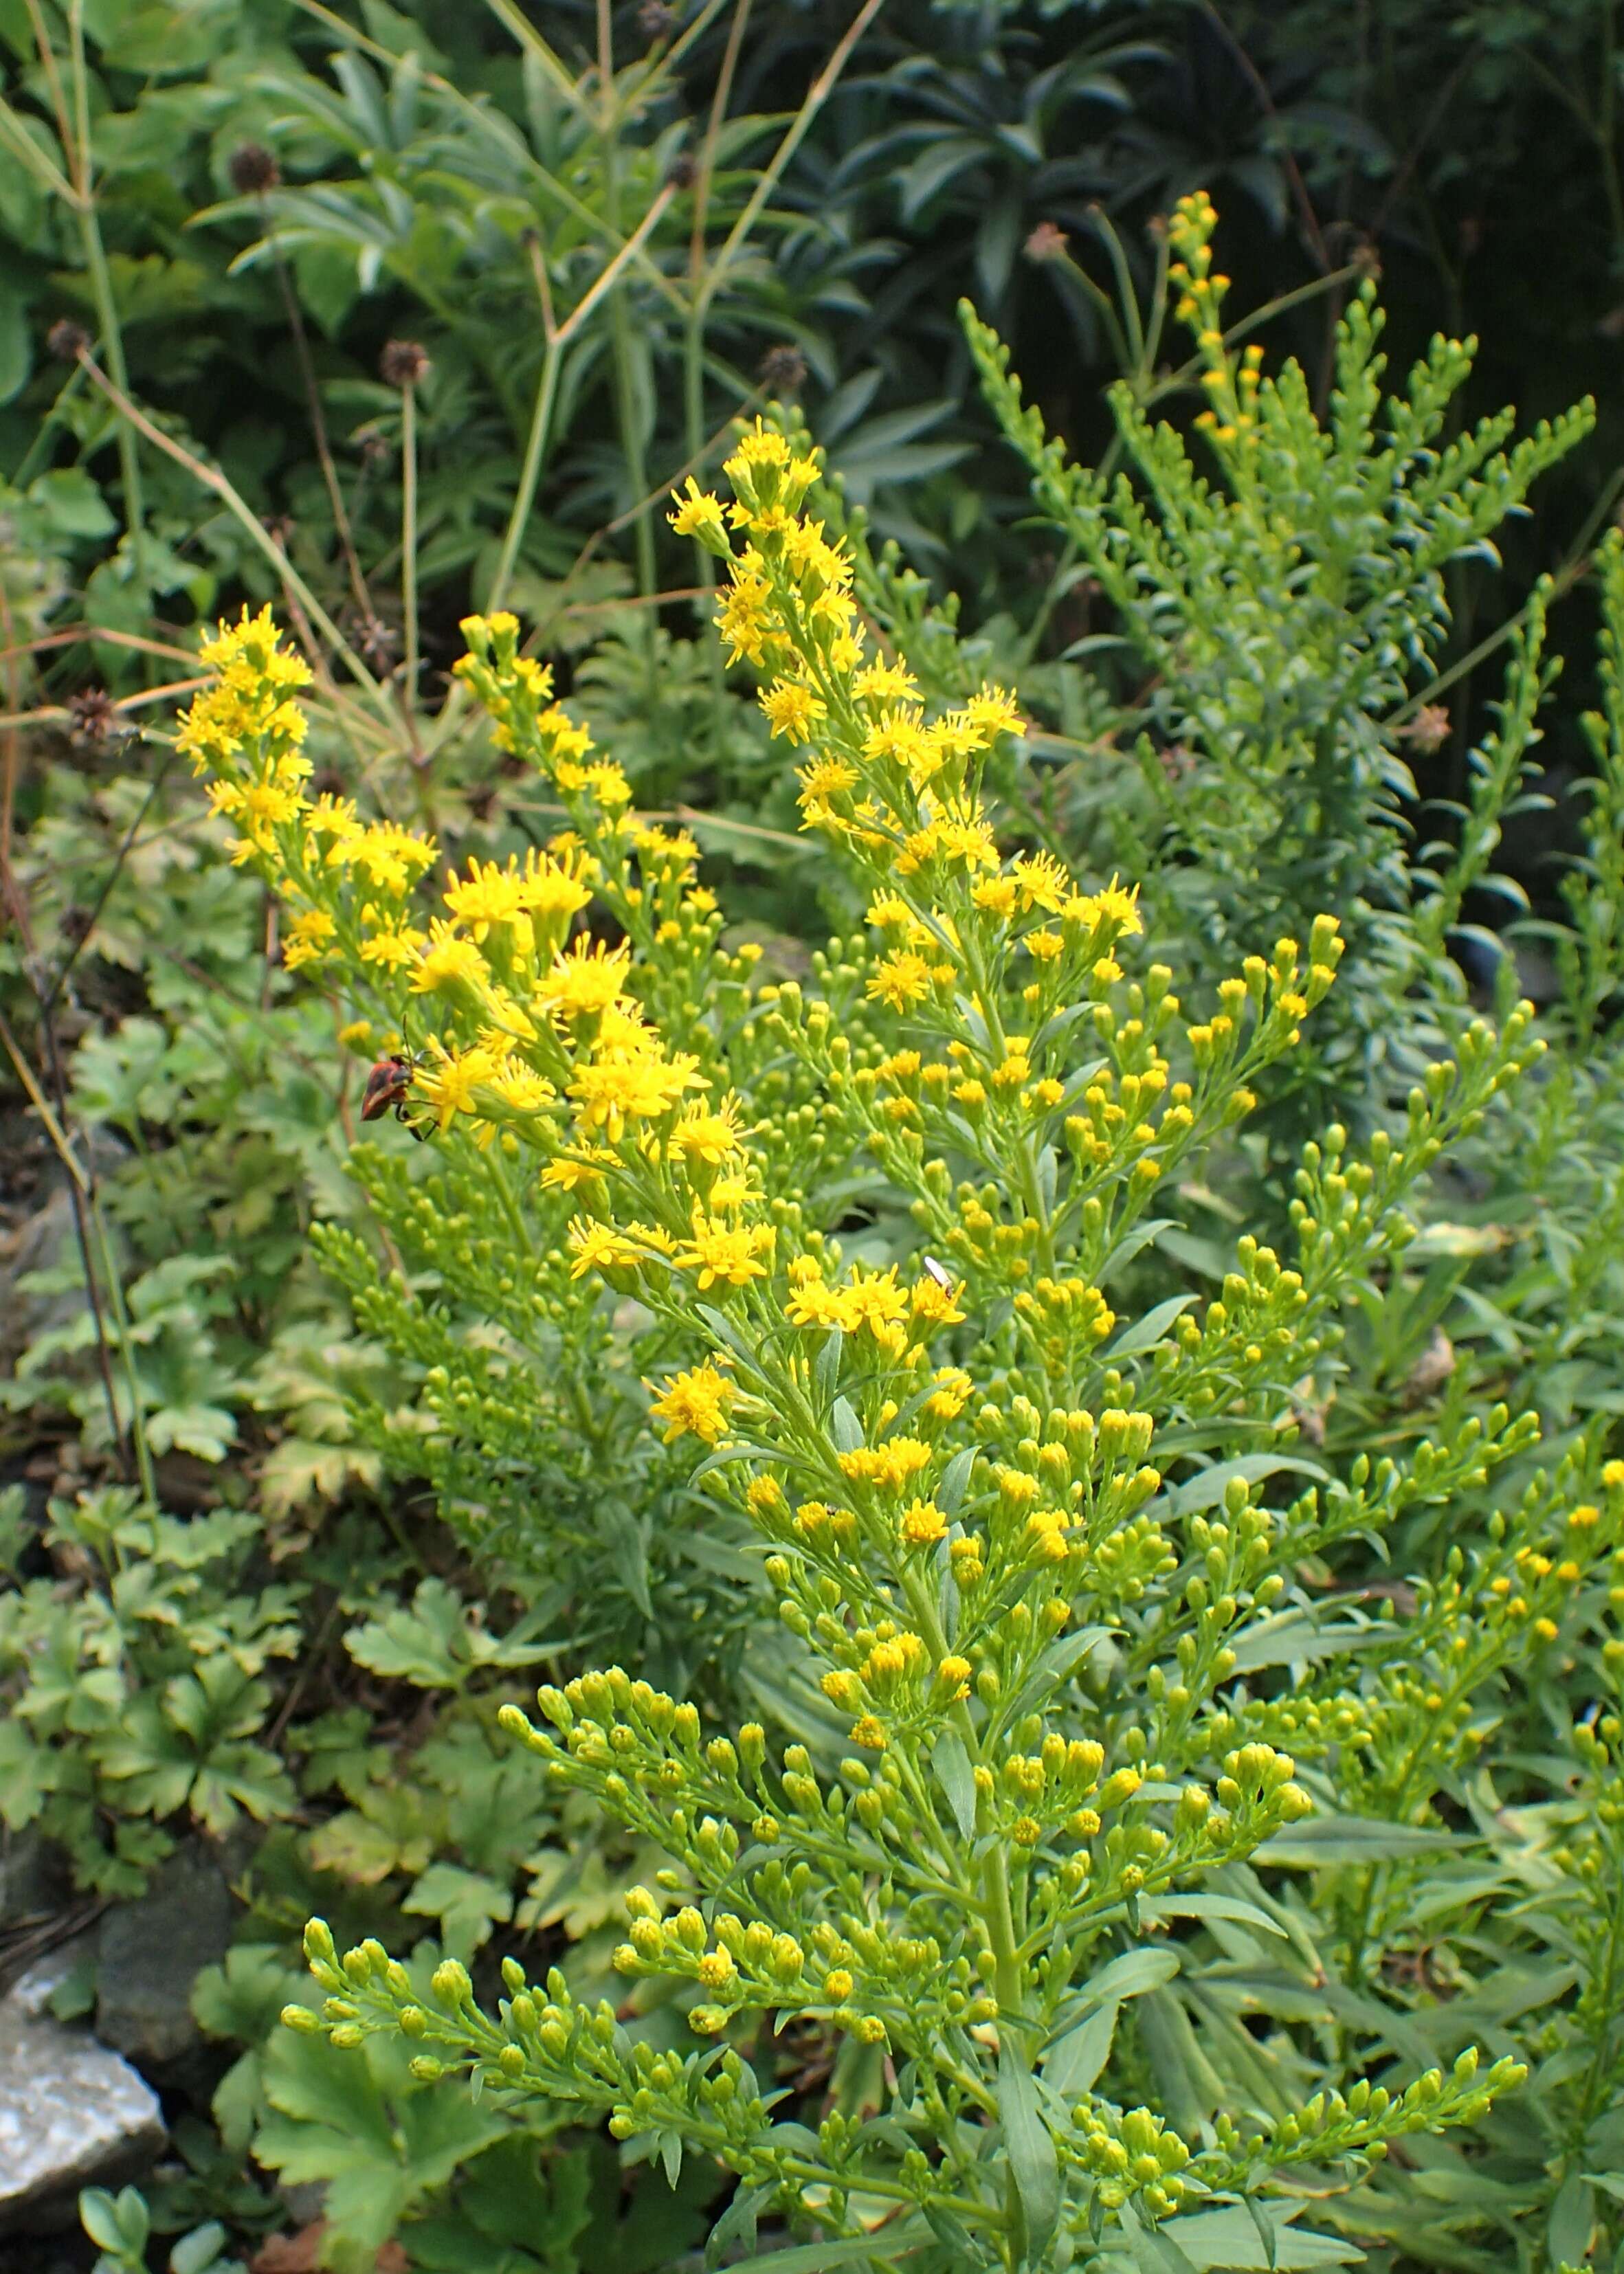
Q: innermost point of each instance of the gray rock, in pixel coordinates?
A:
(73, 2115)
(32, 1881)
(150, 1952)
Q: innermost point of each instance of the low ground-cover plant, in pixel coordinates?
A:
(1016, 1499)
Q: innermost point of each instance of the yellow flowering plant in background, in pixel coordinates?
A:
(1071, 1714)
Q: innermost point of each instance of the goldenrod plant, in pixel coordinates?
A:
(1080, 1713)
(1281, 575)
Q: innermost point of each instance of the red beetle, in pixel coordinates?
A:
(387, 1086)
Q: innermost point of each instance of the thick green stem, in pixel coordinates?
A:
(1009, 1975)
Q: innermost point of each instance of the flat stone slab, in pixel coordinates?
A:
(73, 2115)
(149, 1953)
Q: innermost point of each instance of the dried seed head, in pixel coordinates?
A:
(1047, 242)
(1429, 730)
(253, 169)
(379, 643)
(683, 171)
(93, 714)
(784, 369)
(656, 20)
(403, 364)
(68, 340)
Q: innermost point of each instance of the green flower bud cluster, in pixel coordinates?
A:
(1136, 2155)
(1361, 2122)
(1375, 1497)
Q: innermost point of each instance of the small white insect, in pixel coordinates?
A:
(940, 1273)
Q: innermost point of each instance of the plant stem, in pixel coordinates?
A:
(1009, 1979)
(817, 95)
(213, 479)
(1606, 110)
(694, 337)
(81, 1197)
(318, 420)
(633, 442)
(557, 338)
(529, 475)
(78, 155)
(408, 550)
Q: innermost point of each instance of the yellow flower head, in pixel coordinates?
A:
(695, 1404)
(520, 1090)
(599, 1247)
(900, 980)
(308, 936)
(449, 1087)
(254, 641)
(791, 707)
(332, 818)
(885, 683)
(486, 896)
(699, 514)
(395, 947)
(585, 982)
(447, 963)
(952, 1393)
(933, 1305)
(641, 1087)
(707, 1137)
(1040, 882)
(391, 857)
(824, 779)
(874, 1300)
(726, 1254)
(921, 1525)
(1115, 907)
(992, 713)
(890, 1465)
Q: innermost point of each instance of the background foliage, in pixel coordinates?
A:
(264, 1605)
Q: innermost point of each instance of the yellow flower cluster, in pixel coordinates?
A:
(525, 1031)
(1230, 417)
(1024, 1047)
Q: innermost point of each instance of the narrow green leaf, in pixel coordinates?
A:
(955, 1481)
(1146, 1332)
(957, 1779)
(1032, 2160)
(1329, 1839)
(844, 1425)
(826, 1372)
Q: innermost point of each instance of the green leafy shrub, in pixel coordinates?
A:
(1282, 611)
